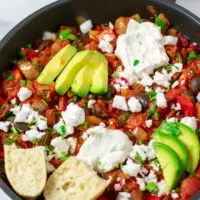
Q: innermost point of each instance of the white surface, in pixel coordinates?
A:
(13, 11)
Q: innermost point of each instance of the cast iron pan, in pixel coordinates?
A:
(63, 12)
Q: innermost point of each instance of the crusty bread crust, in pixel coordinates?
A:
(26, 170)
(74, 180)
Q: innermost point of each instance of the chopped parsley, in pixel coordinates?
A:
(136, 62)
(29, 46)
(169, 67)
(115, 75)
(128, 114)
(160, 23)
(49, 148)
(109, 94)
(191, 56)
(9, 141)
(121, 120)
(74, 98)
(10, 77)
(153, 111)
(22, 83)
(29, 82)
(66, 35)
(63, 156)
(63, 131)
(11, 118)
(152, 95)
(119, 165)
(138, 158)
(85, 124)
(151, 187)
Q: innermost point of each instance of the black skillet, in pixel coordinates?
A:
(63, 12)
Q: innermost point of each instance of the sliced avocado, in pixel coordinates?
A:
(65, 79)
(82, 82)
(176, 145)
(169, 162)
(56, 64)
(189, 138)
(100, 78)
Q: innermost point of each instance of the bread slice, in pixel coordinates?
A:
(74, 180)
(26, 170)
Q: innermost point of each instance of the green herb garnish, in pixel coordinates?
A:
(9, 141)
(128, 114)
(49, 148)
(11, 118)
(152, 95)
(153, 111)
(121, 120)
(63, 156)
(66, 35)
(22, 83)
(115, 75)
(10, 77)
(74, 98)
(136, 62)
(160, 23)
(85, 124)
(29, 46)
(14, 130)
(151, 187)
(191, 56)
(138, 158)
(63, 131)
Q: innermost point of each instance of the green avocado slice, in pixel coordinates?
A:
(175, 144)
(188, 137)
(170, 164)
(82, 82)
(65, 79)
(100, 78)
(56, 64)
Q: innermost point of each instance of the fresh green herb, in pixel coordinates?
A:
(66, 35)
(14, 130)
(136, 62)
(102, 173)
(49, 148)
(22, 83)
(172, 127)
(155, 162)
(34, 63)
(198, 56)
(9, 141)
(119, 165)
(63, 131)
(169, 68)
(152, 95)
(74, 98)
(128, 114)
(11, 118)
(121, 120)
(10, 77)
(151, 187)
(115, 75)
(153, 111)
(160, 23)
(29, 82)
(63, 156)
(29, 46)
(85, 124)
(99, 162)
(20, 54)
(191, 56)
(140, 20)
(192, 71)
(42, 118)
(44, 102)
(138, 158)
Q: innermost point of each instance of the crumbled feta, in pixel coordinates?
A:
(141, 183)
(134, 105)
(105, 45)
(177, 67)
(60, 145)
(198, 97)
(176, 83)
(174, 195)
(86, 26)
(104, 149)
(123, 196)
(47, 35)
(131, 168)
(4, 126)
(172, 119)
(190, 121)
(21, 116)
(13, 101)
(119, 84)
(117, 187)
(162, 188)
(170, 40)
(72, 144)
(15, 110)
(91, 103)
(49, 167)
(161, 100)
(151, 177)
(176, 106)
(148, 123)
(142, 42)
(119, 102)
(73, 115)
(32, 135)
(155, 166)
(111, 26)
(42, 123)
(146, 80)
(162, 78)
(24, 93)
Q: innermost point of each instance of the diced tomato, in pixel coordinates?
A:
(183, 41)
(30, 54)
(150, 197)
(187, 106)
(52, 116)
(62, 103)
(1, 154)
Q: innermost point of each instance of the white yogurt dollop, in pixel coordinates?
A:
(104, 149)
(141, 50)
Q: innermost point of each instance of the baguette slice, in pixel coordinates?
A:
(74, 180)
(26, 170)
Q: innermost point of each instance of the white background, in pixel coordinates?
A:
(13, 11)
